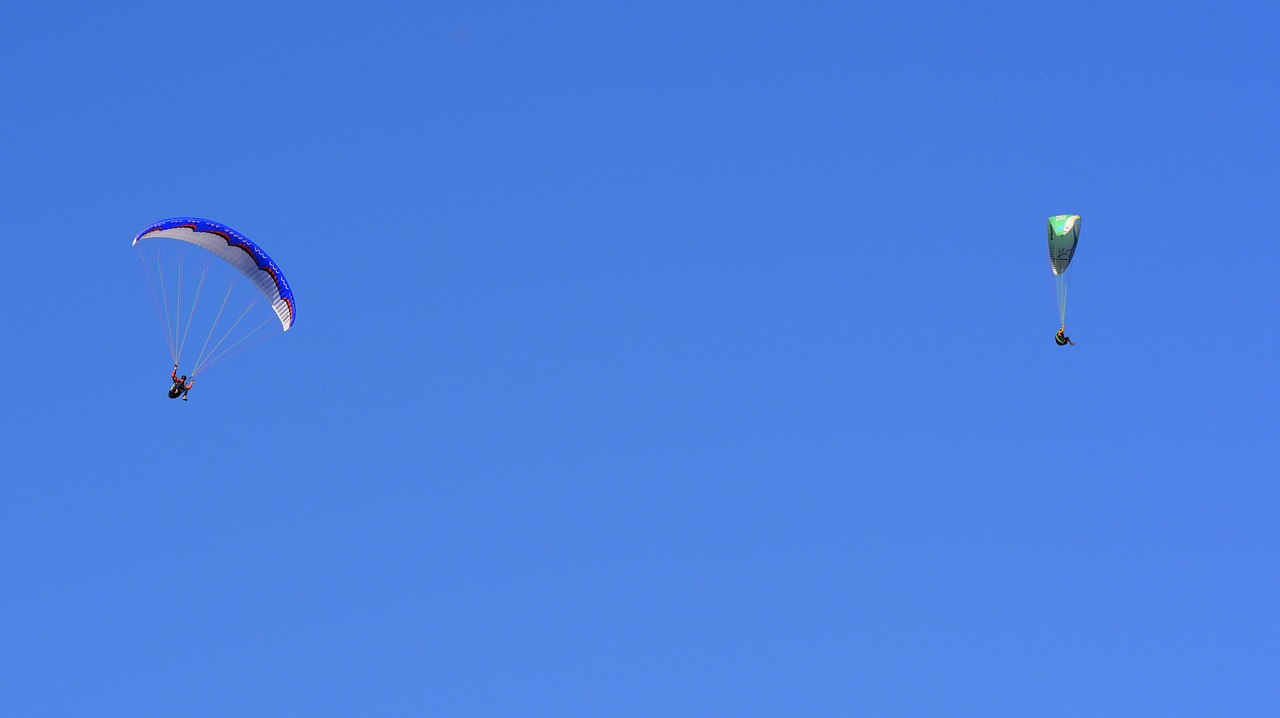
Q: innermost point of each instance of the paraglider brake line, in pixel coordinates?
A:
(156, 303)
(165, 298)
(228, 353)
(214, 326)
(192, 315)
(199, 366)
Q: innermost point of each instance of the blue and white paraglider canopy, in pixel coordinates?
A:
(188, 251)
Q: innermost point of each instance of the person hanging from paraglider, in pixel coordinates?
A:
(1061, 337)
(180, 385)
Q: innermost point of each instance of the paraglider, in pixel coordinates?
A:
(187, 253)
(1064, 234)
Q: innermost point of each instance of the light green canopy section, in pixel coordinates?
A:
(1064, 234)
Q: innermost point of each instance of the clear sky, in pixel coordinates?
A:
(652, 359)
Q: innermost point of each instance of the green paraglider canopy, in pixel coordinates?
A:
(1064, 234)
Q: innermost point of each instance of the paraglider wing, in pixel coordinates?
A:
(235, 249)
(1064, 233)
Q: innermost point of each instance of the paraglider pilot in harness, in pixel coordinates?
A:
(1061, 337)
(180, 386)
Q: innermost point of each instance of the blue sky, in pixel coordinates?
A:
(650, 360)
